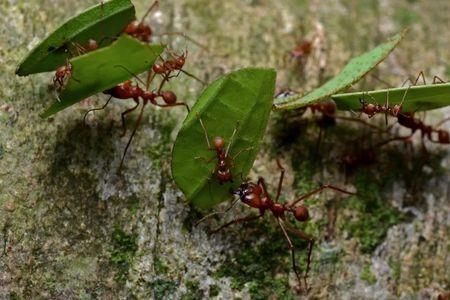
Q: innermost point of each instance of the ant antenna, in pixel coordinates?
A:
(154, 5)
(404, 95)
(217, 212)
(131, 73)
(232, 138)
(204, 130)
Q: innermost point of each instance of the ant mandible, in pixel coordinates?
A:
(255, 195)
(225, 162)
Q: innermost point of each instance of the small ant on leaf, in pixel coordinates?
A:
(225, 162)
(255, 195)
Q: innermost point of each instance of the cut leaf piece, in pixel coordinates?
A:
(417, 98)
(103, 69)
(353, 72)
(241, 100)
(101, 23)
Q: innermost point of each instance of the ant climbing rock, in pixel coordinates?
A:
(225, 162)
(255, 195)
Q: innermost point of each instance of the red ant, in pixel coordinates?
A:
(144, 33)
(256, 196)
(127, 91)
(371, 109)
(63, 73)
(302, 50)
(222, 171)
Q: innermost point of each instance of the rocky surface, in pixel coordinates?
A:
(72, 228)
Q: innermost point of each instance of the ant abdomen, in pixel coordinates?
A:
(443, 136)
(169, 97)
(301, 213)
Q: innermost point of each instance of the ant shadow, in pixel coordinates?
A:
(71, 213)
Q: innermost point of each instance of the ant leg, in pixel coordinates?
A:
(318, 190)
(131, 73)
(418, 77)
(437, 80)
(95, 109)
(193, 76)
(240, 152)
(310, 241)
(124, 128)
(292, 248)
(174, 104)
(206, 160)
(217, 212)
(280, 181)
(138, 122)
(153, 6)
(204, 130)
(239, 220)
(262, 183)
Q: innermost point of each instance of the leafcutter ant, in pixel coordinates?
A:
(225, 162)
(128, 91)
(255, 195)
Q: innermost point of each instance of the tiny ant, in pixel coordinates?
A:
(255, 195)
(126, 91)
(222, 171)
(302, 50)
(62, 74)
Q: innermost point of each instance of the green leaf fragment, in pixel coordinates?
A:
(417, 98)
(353, 72)
(244, 97)
(101, 23)
(103, 69)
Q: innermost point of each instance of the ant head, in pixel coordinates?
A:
(132, 27)
(158, 69)
(180, 61)
(301, 213)
(396, 109)
(218, 142)
(92, 45)
(370, 109)
(246, 189)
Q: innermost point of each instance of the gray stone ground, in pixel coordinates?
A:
(71, 228)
